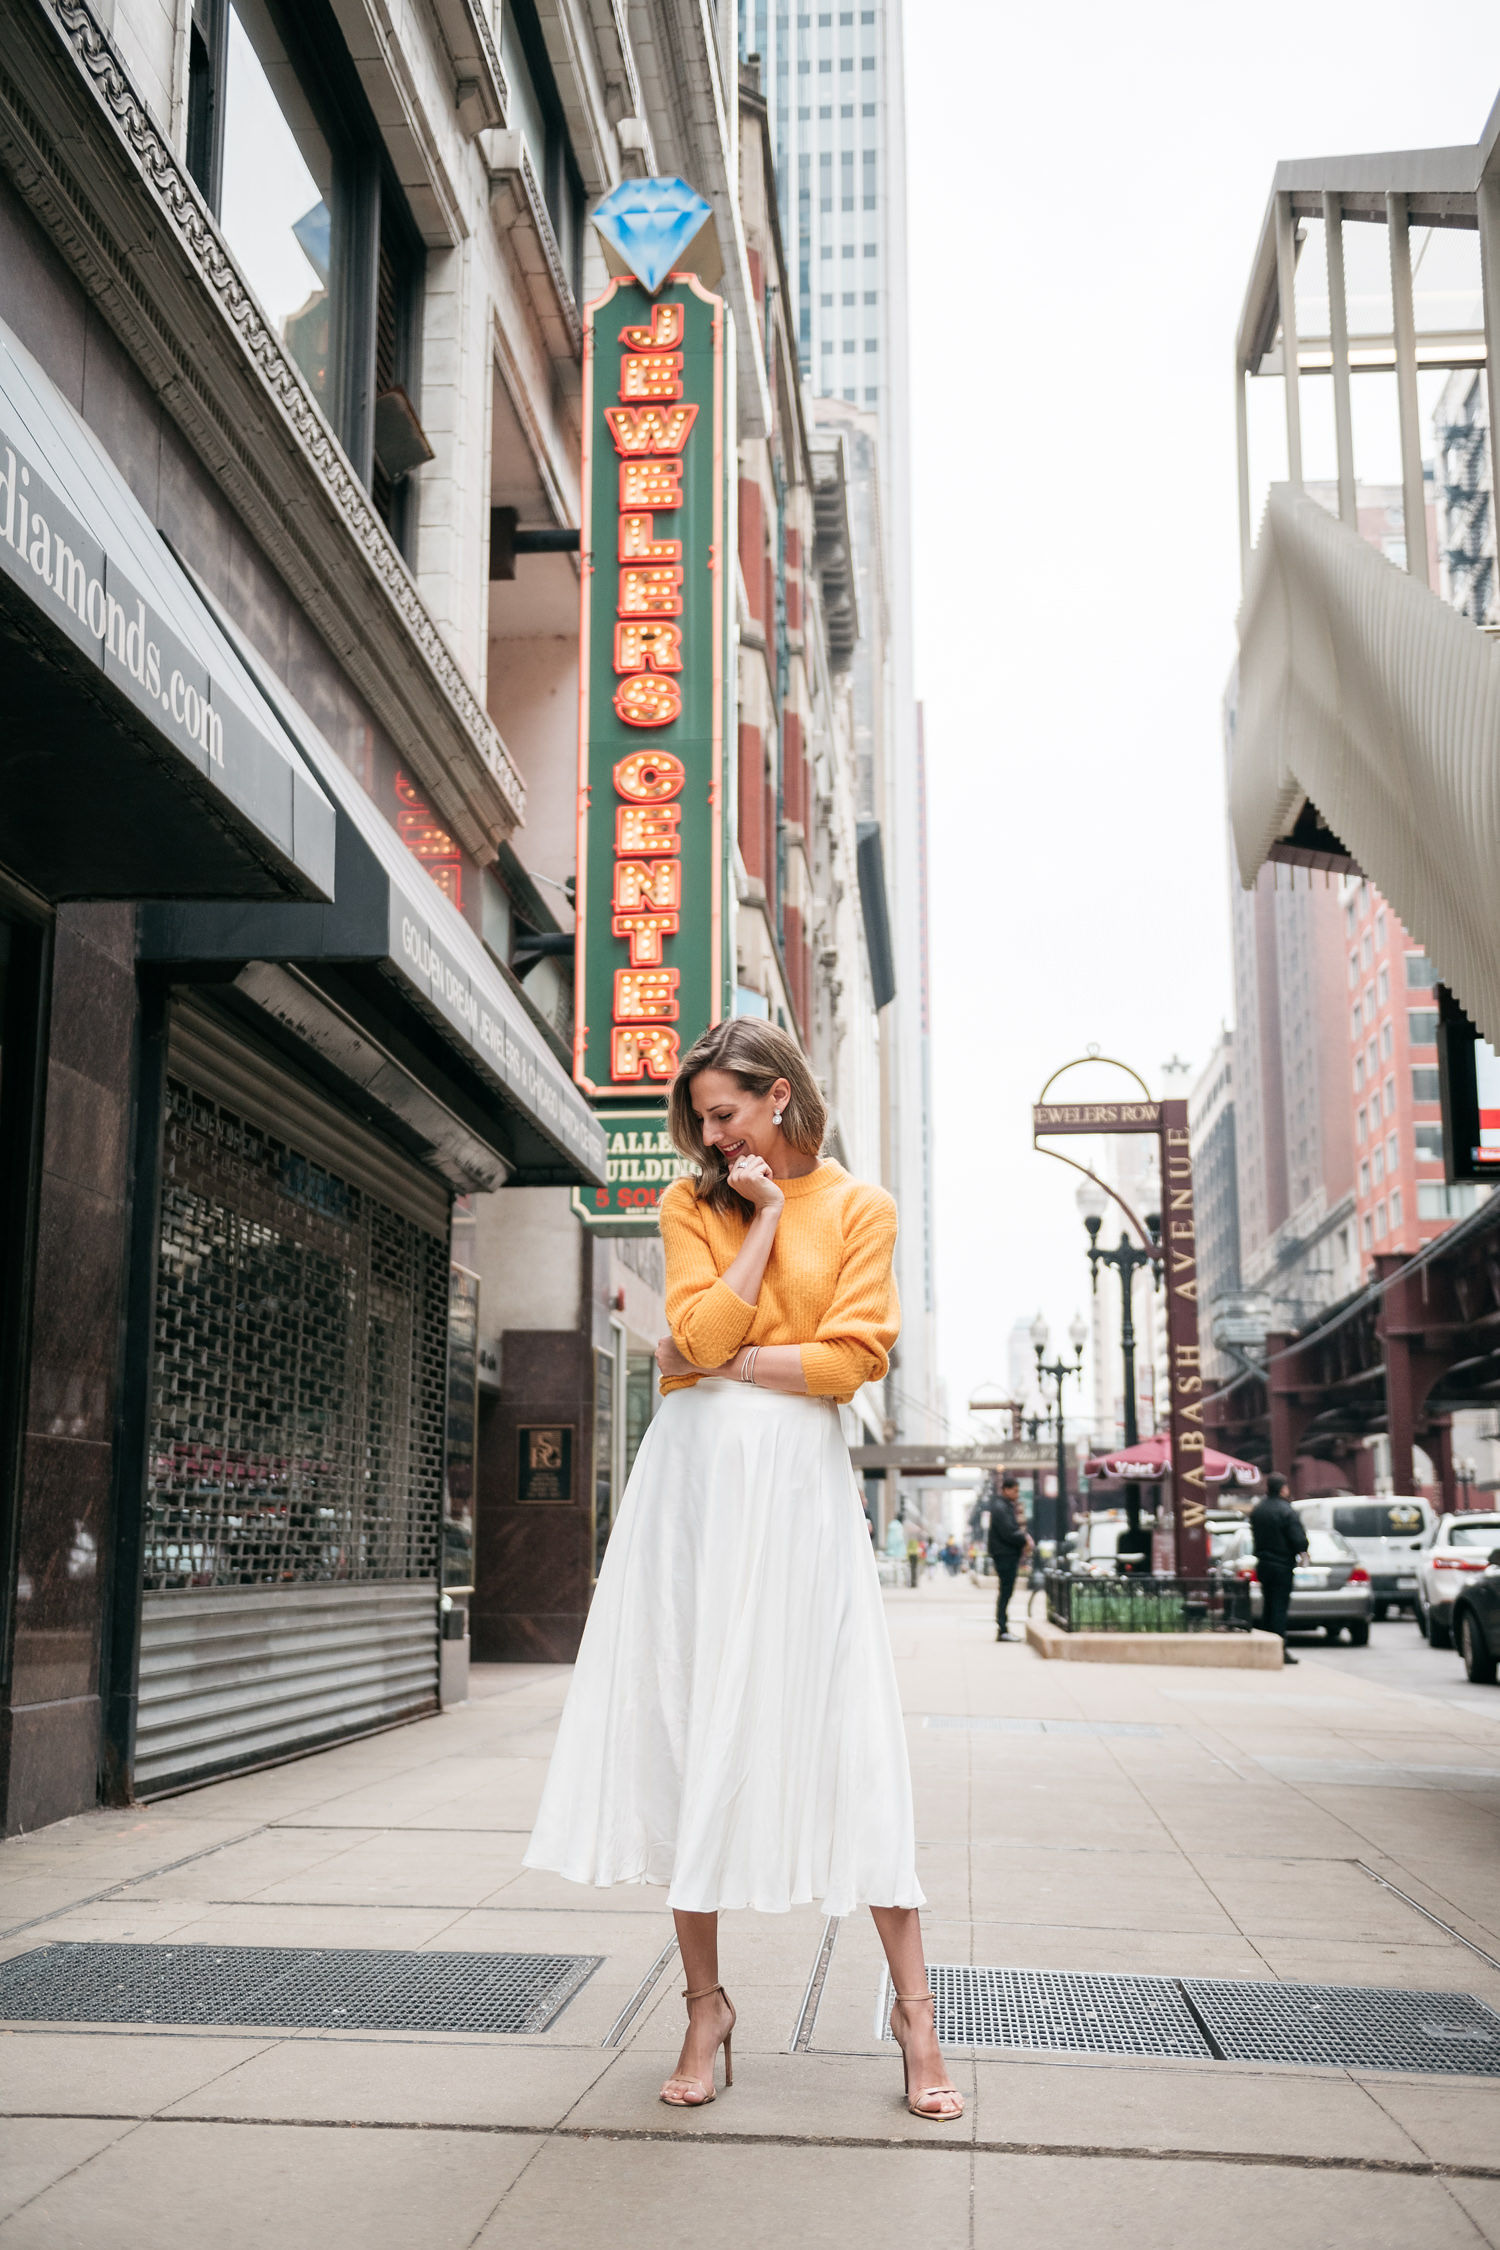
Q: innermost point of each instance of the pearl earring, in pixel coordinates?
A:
(775, 1117)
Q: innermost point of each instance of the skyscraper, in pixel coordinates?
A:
(834, 86)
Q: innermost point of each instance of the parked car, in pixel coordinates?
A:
(1476, 1622)
(1330, 1586)
(1457, 1549)
(1385, 1533)
(1222, 1527)
(1094, 1548)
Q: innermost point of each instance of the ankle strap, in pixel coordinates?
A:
(703, 1992)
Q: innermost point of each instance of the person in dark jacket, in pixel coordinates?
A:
(1009, 1542)
(1280, 1536)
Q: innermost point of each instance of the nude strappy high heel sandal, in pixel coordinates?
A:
(914, 2102)
(702, 2097)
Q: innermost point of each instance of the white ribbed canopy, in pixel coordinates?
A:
(1360, 689)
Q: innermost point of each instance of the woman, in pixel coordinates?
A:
(733, 1729)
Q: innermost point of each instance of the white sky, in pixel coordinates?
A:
(1086, 186)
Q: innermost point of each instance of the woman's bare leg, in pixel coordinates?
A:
(708, 2017)
(900, 1930)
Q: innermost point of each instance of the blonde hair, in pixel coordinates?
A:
(756, 1053)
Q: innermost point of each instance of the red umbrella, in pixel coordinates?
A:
(1149, 1460)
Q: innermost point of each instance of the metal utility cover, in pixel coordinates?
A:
(312, 1988)
(1061, 2011)
(1349, 2027)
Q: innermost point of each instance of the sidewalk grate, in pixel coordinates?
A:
(1061, 2010)
(986, 1725)
(1350, 2026)
(308, 1988)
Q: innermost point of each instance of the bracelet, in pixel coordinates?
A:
(747, 1368)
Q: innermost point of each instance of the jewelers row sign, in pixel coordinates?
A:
(653, 935)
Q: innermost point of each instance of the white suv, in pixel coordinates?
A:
(1456, 1549)
(1385, 1533)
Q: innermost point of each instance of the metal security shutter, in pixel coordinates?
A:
(231, 1679)
(215, 1054)
(294, 1488)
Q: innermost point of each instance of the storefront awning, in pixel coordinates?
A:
(411, 953)
(129, 767)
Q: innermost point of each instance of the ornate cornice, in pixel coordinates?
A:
(514, 184)
(177, 299)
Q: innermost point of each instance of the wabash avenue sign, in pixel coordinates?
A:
(1182, 1538)
(652, 935)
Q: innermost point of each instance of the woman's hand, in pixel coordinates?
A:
(750, 1176)
(672, 1364)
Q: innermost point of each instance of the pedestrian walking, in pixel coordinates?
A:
(1279, 1536)
(733, 1729)
(915, 1551)
(1009, 1543)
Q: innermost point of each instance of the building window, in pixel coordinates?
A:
(1380, 929)
(1359, 1074)
(1364, 950)
(1364, 1179)
(1380, 1222)
(1377, 1166)
(1420, 974)
(1374, 1107)
(1429, 1143)
(1359, 1125)
(1395, 1208)
(1421, 1026)
(1368, 1231)
(1385, 1042)
(284, 147)
(1424, 1086)
(1383, 986)
(1354, 1024)
(1434, 1201)
(1353, 966)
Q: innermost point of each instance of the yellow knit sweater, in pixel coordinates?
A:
(828, 1284)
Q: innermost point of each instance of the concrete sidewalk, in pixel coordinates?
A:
(1232, 1840)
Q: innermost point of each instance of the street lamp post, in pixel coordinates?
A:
(1127, 1259)
(1058, 1370)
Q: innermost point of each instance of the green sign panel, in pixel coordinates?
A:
(642, 1166)
(657, 682)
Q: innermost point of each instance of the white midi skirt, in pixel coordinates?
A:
(733, 1727)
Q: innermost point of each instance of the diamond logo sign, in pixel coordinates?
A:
(649, 224)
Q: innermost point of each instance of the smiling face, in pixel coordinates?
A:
(733, 1120)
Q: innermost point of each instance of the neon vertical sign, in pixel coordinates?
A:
(651, 936)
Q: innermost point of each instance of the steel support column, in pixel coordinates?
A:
(1403, 319)
(1286, 283)
(1338, 336)
(1289, 1417)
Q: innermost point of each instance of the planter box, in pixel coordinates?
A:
(1241, 1652)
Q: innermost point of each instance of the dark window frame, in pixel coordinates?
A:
(376, 316)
